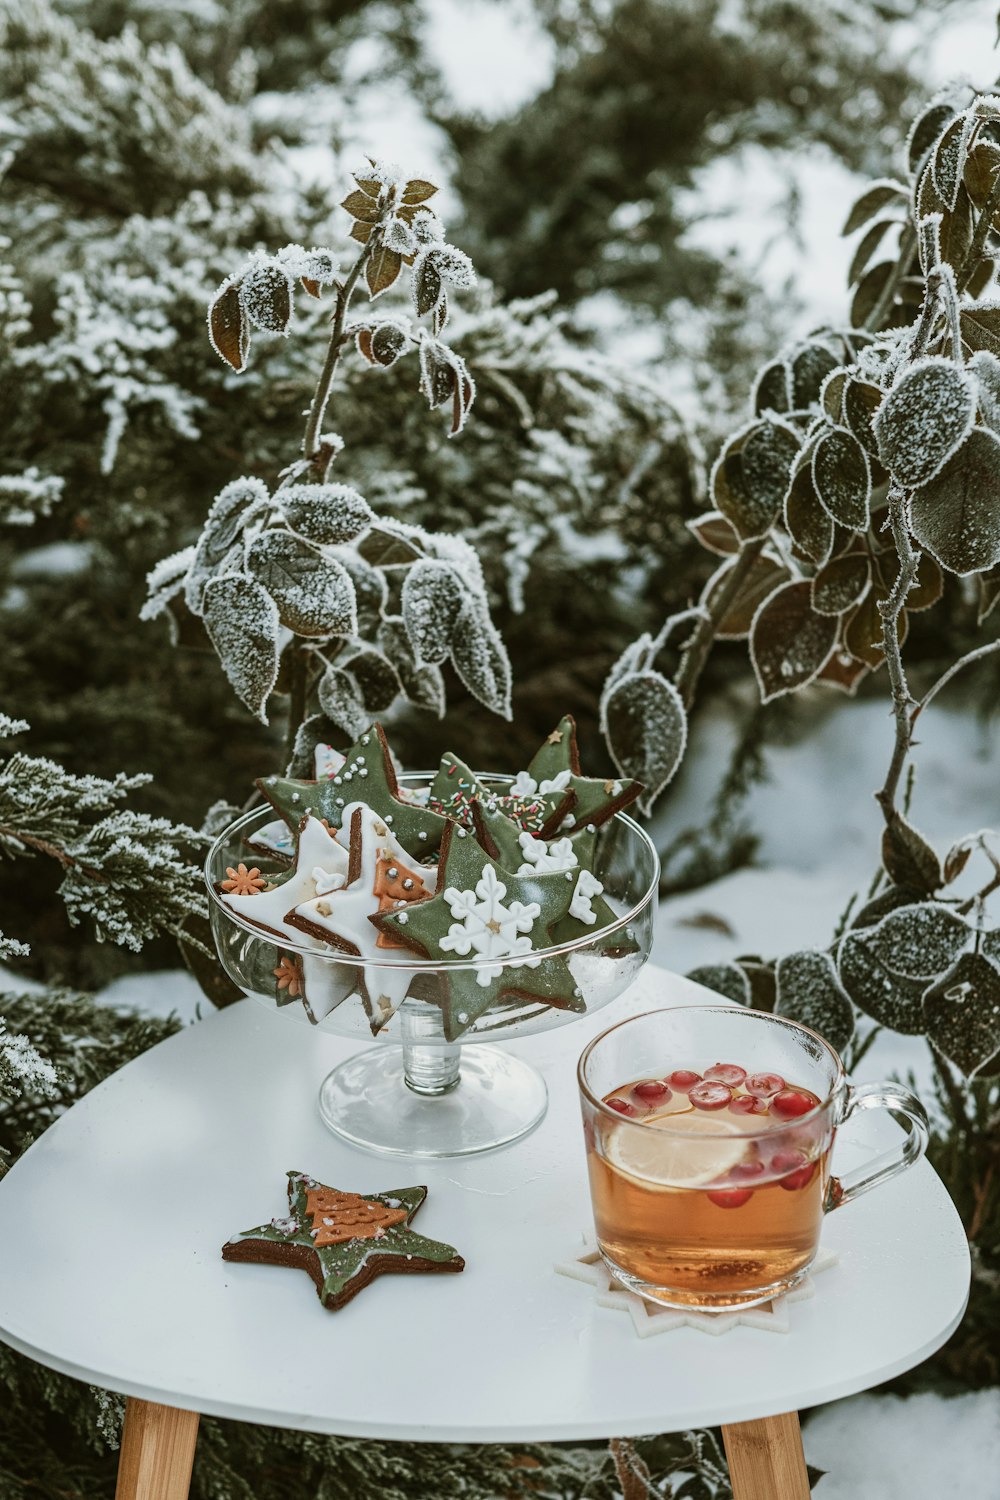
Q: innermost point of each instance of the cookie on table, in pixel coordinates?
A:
(344, 1240)
(482, 912)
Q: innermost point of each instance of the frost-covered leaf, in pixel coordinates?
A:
(956, 516)
(919, 940)
(444, 376)
(725, 979)
(313, 593)
(318, 729)
(242, 624)
(925, 130)
(929, 585)
(376, 679)
(981, 168)
(715, 533)
(888, 998)
(842, 672)
(228, 326)
(635, 658)
(963, 1013)
(362, 207)
(164, 582)
(773, 388)
(863, 631)
(984, 367)
(948, 160)
(809, 991)
(789, 641)
(866, 248)
(432, 600)
(980, 325)
(766, 574)
(908, 858)
(877, 196)
(869, 292)
(956, 225)
(382, 269)
(645, 725)
(989, 593)
(266, 294)
(388, 343)
(370, 588)
(390, 543)
(237, 503)
(426, 286)
(325, 513)
(760, 977)
(751, 475)
(810, 367)
(423, 684)
(340, 699)
(841, 583)
(923, 419)
(861, 400)
(418, 190)
(480, 657)
(891, 898)
(807, 523)
(842, 478)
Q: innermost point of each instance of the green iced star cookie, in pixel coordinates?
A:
(344, 1240)
(483, 912)
(596, 798)
(455, 790)
(366, 776)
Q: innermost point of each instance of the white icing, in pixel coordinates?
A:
(328, 880)
(540, 856)
(317, 852)
(276, 836)
(587, 887)
(524, 785)
(344, 913)
(326, 762)
(485, 926)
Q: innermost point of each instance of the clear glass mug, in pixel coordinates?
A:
(718, 1204)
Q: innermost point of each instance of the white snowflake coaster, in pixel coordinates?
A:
(649, 1319)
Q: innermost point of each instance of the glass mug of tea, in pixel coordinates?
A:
(709, 1131)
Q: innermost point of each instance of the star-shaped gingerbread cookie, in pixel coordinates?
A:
(367, 775)
(596, 798)
(491, 916)
(344, 1240)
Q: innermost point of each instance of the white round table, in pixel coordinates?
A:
(112, 1225)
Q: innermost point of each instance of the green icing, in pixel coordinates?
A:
(373, 781)
(597, 798)
(456, 790)
(501, 839)
(473, 892)
(340, 1264)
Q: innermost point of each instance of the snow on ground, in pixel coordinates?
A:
(924, 1447)
(162, 993)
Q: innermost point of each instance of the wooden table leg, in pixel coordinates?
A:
(157, 1452)
(766, 1460)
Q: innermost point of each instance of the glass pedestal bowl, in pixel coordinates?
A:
(416, 1092)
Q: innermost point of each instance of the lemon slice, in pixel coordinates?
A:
(690, 1151)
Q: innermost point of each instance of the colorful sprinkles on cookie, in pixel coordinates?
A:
(344, 1239)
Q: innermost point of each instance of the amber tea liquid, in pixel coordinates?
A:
(711, 1184)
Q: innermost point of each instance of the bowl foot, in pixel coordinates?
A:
(496, 1100)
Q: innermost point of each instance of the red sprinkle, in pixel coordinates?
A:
(730, 1073)
(710, 1095)
(764, 1084)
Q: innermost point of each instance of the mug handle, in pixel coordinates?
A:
(905, 1107)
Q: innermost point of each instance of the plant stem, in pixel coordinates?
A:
(878, 314)
(43, 846)
(697, 650)
(952, 671)
(314, 421)
(890, 610)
